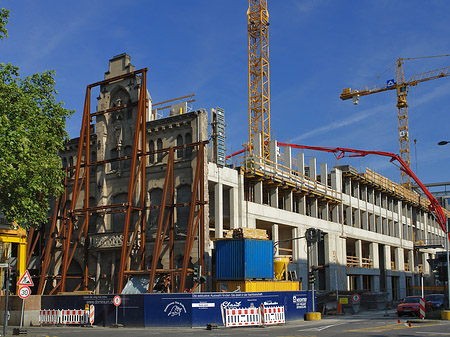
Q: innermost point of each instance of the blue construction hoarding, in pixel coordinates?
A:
(179, 310)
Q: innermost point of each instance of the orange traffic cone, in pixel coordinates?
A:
(409, 324)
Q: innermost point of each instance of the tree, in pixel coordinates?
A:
(32, 131)
(4, 16)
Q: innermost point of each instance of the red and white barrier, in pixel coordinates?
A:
(49, 316)
(74, 316)
(66, 316)
(242, 317)
(273, 315)
(422, 308)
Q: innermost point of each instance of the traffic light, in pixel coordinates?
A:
(195, 274)
(442, 273)
(312, 277)
(320, 235)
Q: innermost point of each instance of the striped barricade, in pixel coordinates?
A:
(74, 316)
(242, 317)
(49, 316)
(273, 315)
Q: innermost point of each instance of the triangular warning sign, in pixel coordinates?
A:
(25, 280)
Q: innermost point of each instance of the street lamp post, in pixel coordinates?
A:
(445, 142)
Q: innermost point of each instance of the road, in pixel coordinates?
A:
(367, 324)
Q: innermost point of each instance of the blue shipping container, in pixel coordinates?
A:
(239, 259)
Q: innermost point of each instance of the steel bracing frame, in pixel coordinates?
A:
(64, 216)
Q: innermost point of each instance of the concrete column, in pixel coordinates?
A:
(295, 245)
(411, 260)
(273, 152)
(288, 158)
(387, 258)
(324, 174)
(301, 170)
(218, 210)
(257, 150)
(275, 238)
(371, 222)
(336, 185)
(234, 206)
(251, 222)
(242, 204)
(365, 221)
(374, 255)
(349, 216)
(259, 192)
(289, 201)
(301, 163)
(399, 259)
(358, 252)
(312, 168)
(425, 264)
(313, 203)
(274, 197)
(359, 282)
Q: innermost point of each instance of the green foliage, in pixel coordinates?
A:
(32, 131)
(4, 16)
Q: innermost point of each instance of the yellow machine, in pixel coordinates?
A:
(8, 238)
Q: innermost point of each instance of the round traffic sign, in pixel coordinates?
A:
(356, 298)
(24, 292)
(117, 300)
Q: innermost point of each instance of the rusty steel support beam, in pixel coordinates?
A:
(160, 232)
(191, 228)
(59, 206)
(84, 126)
(139, 131)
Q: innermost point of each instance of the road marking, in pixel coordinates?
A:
(434, 333)
(394, 326)
(320, 328)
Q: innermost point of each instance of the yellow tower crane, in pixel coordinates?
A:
(401, 87)
(258, 75)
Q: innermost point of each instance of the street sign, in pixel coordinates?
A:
(25, 280)
(117, 300)
(390, 83)
(343, 300)
(24, 292)
(356, 298)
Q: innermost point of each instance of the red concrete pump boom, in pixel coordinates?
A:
(340, 152)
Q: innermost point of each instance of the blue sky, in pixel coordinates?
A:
(317, 48)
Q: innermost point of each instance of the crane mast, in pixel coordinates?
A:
(258, 75)
(403, 133)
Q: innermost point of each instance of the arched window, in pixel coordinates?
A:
(179, 151)
(184, 195)
(155, 200)
(127, 152)
(92, 226)
(188, 149)
(71, 172)
(64, 163)
(151, 147)
(159, 146)
(114, 164)
(118, 219)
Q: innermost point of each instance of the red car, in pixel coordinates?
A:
(410, 306)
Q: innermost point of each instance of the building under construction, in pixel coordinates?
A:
(148, 194)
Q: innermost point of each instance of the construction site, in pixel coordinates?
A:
(154, 204)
